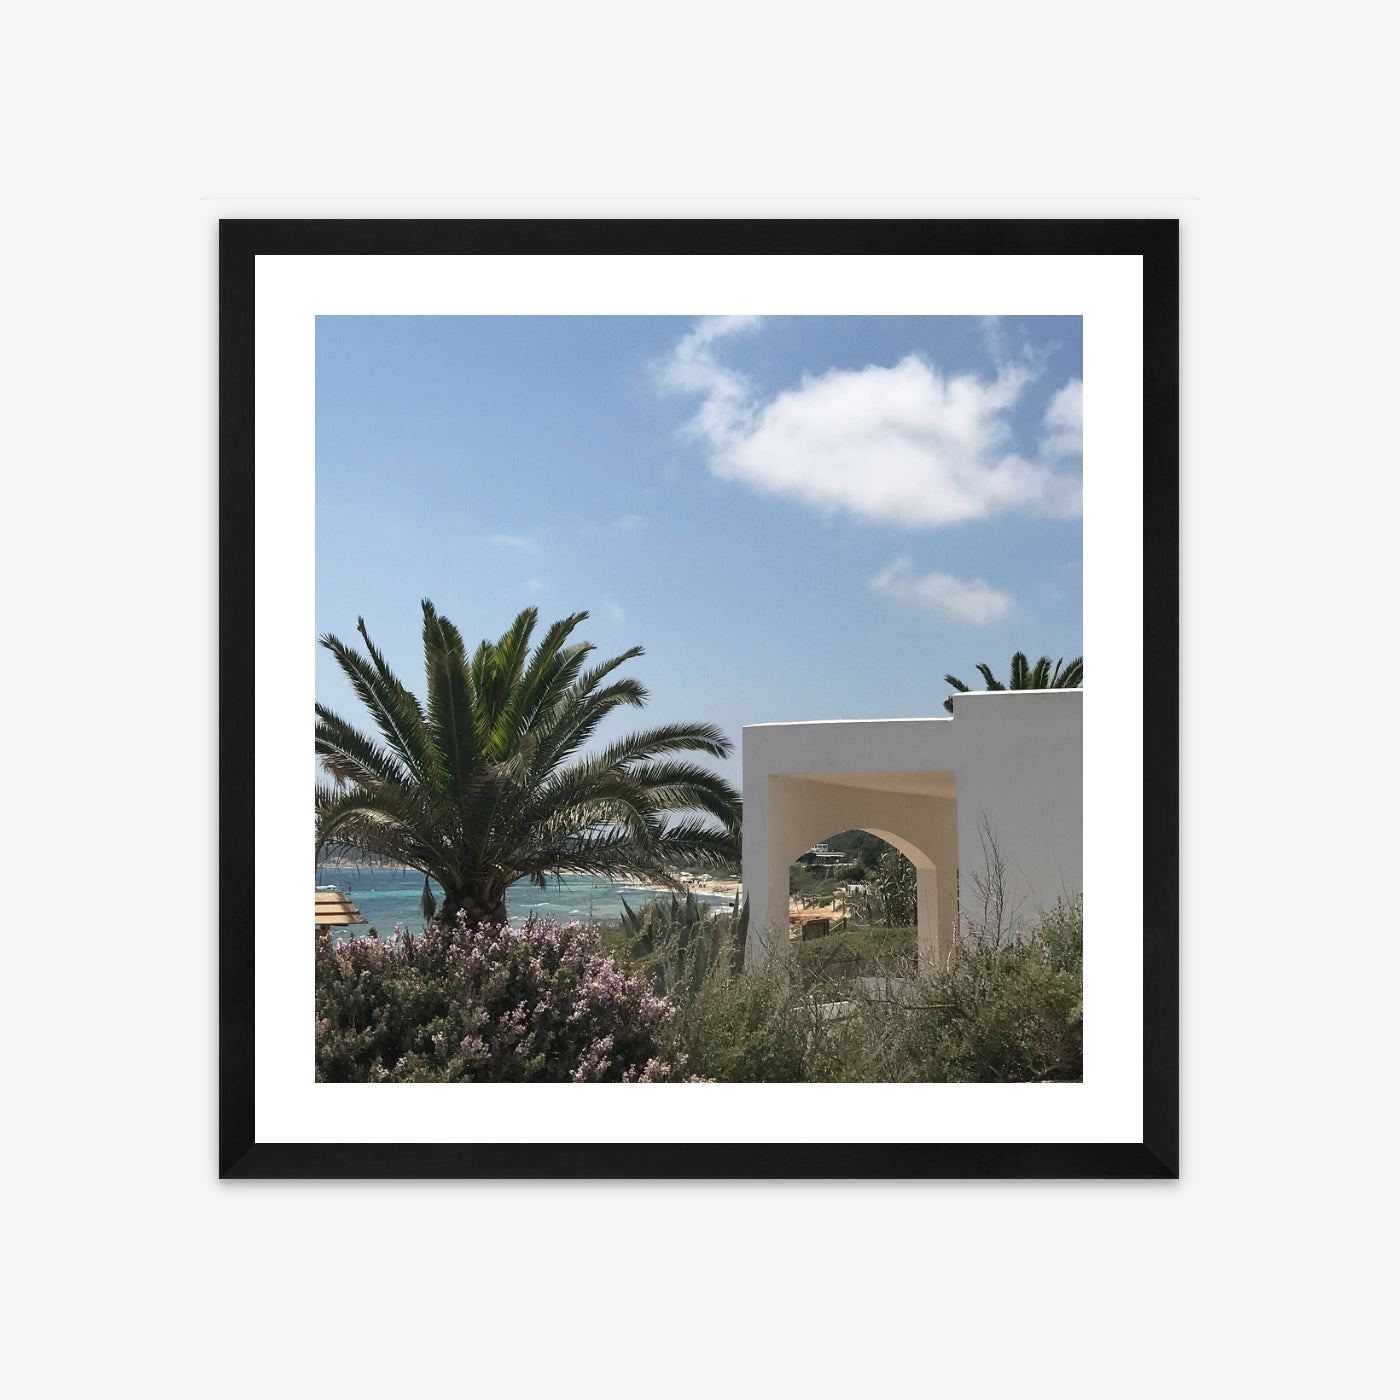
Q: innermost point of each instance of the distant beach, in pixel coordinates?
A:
(388, 895)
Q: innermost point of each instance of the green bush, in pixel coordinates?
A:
(860, 944)
(810, 882)
(1003, 1014)
(746, 1028)
(1013, 1013)
(856, 950)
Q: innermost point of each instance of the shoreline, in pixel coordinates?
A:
(722, 888)
(340, 863)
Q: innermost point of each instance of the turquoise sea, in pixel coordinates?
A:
(389, 897)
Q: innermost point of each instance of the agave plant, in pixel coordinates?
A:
(489, 782)
(679, 944)
(1024, 676)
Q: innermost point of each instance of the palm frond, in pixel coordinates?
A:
(395, 712)
(670, 738)
(496, 672)
(387, 822)
(1026, 677)
(612, 853)
(588, 682)
(693, 842)
(575, 798)
(674, 786)
(556, 690)
(1073, 674)
(352, 756)
(581, 715)
(451, 704)
(543, 676)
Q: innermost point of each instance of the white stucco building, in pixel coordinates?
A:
(1008, 762)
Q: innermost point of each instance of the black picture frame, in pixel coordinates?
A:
(240, 243)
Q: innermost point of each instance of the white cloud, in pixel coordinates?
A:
(615, 613)
(973, 602)
(623, 525)
(904, 443)
(1064, 422)
(523, 543)
(693, 368)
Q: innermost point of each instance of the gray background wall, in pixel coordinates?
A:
(129, 1266)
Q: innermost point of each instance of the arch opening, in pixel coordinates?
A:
(915, 816)
(852, 905)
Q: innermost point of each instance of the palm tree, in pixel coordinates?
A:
(489, 785)
(1024, 676)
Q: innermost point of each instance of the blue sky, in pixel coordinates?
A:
(797, 517)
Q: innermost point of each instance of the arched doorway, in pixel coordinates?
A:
(916, 813)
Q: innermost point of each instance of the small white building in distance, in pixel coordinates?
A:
(1007, 768)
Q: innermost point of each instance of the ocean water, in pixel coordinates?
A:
(389, 897)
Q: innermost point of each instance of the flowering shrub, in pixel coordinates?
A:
(486, 1003)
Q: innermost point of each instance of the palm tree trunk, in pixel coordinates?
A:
(480, 904)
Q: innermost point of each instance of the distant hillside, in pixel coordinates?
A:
(861, 845)
(341, 861)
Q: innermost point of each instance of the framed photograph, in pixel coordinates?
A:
(694, 615)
